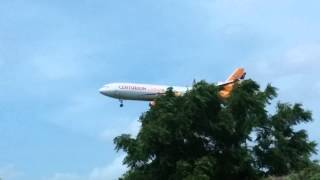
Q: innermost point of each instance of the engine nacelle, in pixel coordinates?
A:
(152, 103)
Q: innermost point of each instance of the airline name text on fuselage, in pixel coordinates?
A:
(132, 87)
(141, 88)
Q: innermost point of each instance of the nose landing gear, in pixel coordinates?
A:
(121, 102)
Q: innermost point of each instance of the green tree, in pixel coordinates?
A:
(281, 149)
(201, 136)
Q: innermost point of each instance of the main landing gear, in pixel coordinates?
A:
(121, 102)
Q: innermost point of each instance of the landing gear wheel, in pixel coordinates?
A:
(121, 102)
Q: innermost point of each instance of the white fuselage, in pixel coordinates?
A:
(149, 92)
(134, 91)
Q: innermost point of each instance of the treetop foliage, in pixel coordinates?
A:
(201, 136)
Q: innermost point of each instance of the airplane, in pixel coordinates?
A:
(150, 92)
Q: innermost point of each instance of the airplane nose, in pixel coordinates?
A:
(103, 91)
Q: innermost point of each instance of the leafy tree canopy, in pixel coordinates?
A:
(201, 136)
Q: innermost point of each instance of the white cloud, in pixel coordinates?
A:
(306, 57)
(56, 66)
(230, 9)
(237, 3)
(65, 176)
(111, 171)
(84, 113)
(302, 60)
(9, 172)
(132, 128)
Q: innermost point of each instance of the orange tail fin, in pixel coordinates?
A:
(237, 75)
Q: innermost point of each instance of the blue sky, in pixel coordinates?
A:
(54, 55)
